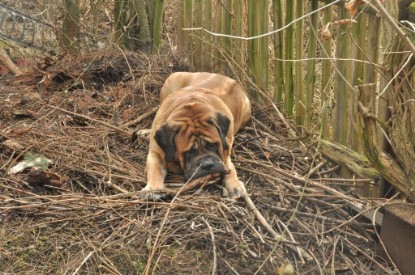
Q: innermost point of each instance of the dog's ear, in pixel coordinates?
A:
(165, 139)
(223, 123)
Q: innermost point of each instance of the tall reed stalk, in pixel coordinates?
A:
(227, 18)
(239, 52)
(263, 61)
(207, 38)
(218, 59)
(311, 66)
(252, 31)
(188, 23)
(360, 38)
(198, 39)
(289, 55)
(157, 21)
(299, 75)
(278, 19)
(342, 90)
(325, 105)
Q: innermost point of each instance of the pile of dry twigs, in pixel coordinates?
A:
(79, 210)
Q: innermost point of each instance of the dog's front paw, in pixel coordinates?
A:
(153, 194)
(234, 188)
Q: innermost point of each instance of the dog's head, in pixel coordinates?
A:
(195, 138)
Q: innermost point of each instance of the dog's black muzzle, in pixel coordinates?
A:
(204, 165)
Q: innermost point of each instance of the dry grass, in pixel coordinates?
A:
(85, 215)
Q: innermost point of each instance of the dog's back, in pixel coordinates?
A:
(227, 89)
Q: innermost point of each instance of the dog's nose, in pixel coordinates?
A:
(207, 164)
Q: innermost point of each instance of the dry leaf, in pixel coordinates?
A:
(345, 22)
(11, 145)
(286, 269)
(325, 33)
(43, 177)
(353, 5)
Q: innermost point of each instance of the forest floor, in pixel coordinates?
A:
(78, 210)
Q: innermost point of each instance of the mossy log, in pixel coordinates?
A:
(345, 156)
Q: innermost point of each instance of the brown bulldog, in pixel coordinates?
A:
(193, 131)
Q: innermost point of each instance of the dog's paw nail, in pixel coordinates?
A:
(152, 194)
(234, 193)
(225, 192)
(234, 190)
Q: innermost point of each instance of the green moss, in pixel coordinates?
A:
(139, 266)
(411, 8)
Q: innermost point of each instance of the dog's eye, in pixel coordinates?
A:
(190, 153)
(213, 147)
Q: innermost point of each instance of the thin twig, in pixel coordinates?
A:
(269, 228)
(333, 257)
(141, 117)
(83, 262)
(154, 247)
(212, 236)
(299, 249)
(393, 23)
(127, 133)
(233, 270)
(395, 76)
(265, 34)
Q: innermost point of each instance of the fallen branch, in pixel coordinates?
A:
(5, 59)
(270, 230)
(141, 117)
(343, 155)
(125, 132)
(200, 183)
(213, 247)
(393, 23)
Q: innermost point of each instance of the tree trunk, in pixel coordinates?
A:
(401, 96)
(390, 168)
(70, 28)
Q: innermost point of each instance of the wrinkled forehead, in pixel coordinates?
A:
(196, 131)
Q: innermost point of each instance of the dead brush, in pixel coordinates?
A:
(95, 221)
